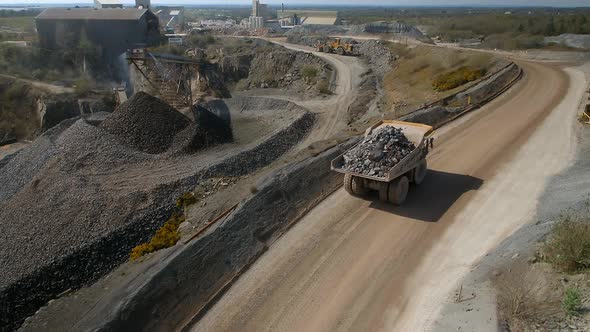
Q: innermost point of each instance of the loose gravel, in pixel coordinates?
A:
(379, 152)
(146, 123)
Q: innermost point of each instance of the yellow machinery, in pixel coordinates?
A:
(335, 46)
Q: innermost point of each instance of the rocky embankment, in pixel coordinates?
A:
(28, 111)
(267, 65)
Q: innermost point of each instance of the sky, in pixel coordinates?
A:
(555, 3)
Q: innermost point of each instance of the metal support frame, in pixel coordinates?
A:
(170, 77)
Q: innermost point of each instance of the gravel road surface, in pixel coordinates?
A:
(332, 110)
(354, 264)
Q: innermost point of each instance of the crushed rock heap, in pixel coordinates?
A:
(146, 123)
(378, 152)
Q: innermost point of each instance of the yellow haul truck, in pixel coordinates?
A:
(394, 185)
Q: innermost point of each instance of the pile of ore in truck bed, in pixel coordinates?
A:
(378, 152)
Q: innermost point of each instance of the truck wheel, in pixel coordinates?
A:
(383, 191)
(327, 49)
(420, 172)
(358, 187)
(348, 183)
(354, 185)
(340, 51)
(398, 190)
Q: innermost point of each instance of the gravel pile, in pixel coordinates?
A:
(207, 130)
(382, 27)
(377, 55)
(570, 40)
(146, 123)
(379, 152)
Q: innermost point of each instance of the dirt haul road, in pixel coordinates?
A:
(358, 265)
(332, 111)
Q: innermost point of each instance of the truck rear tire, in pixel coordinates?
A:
(354, 185)
(420, 172)
(383, 191)
(398, 190)
(340, 51)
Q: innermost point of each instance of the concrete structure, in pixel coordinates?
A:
(143, 4)
(307, 17)
(113, 31)
(256, 20)
(107, 4)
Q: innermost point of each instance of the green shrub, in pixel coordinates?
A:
(572, 301)
(457, 78)
(309, 72)
(568, 246)
(165, 237)
(82, 87)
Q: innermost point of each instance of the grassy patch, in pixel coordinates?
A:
(572, 301)
(410, 83)
(26, 23)
(568, 246)
(309, 72)
(456, 78)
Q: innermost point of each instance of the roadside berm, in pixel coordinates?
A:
(74, 202)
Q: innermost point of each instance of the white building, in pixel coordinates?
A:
(107, 4)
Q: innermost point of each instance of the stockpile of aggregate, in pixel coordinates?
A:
(378, 152)
(146, 123)
(207, 130)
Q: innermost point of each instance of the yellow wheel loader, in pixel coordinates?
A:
(336, 46)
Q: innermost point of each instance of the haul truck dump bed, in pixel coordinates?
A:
(393, 186)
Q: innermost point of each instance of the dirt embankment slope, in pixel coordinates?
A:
(302, 274)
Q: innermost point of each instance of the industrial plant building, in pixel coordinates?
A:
(256, 20)
(113, 30)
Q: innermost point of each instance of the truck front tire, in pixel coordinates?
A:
(354, 185)
(398, 190)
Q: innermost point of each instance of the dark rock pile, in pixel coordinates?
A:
(146, 123)
(207, 130)
(379, 152)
